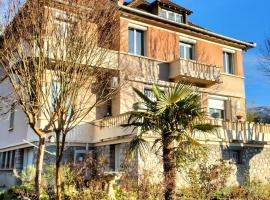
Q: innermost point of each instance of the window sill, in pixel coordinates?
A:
(232, 75)
(9, 169)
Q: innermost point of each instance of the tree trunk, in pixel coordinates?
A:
(58, 180)
(39, 165)
(169, 168)
(59, 155)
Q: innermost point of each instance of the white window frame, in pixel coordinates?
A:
(226, 66)
(218, 98)
(187, 45)
(138, 28)
(167, 15)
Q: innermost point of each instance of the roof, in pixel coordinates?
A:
(189, 26)
(171, 5)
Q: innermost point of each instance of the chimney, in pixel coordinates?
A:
(121, 1)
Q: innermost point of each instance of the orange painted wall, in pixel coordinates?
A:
(163, 45)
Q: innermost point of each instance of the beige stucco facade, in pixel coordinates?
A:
(161, 65)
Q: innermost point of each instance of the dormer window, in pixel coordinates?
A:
(171, 16)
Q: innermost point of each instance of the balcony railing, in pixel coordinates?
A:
(231, 131)
(194, 71)
(112, 121)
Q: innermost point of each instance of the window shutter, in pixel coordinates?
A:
(228, 110)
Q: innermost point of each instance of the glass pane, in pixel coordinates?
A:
(139, 43)
(188, 53)
(8, 160)
(225, 62)
(230, 61)
(131, 40)
(3, 160)
(216, 113)
(80, 156)
(163, 13)
(182, 51)
(179, 18)
(150, 94)
(171, 16)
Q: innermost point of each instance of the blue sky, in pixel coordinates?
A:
(247, 20)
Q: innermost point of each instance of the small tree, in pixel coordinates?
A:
(57, 57)
(174, 117)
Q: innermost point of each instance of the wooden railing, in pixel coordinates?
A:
(195, 69)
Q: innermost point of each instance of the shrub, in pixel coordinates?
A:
(207, 180)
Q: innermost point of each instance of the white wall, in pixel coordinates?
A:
(19, 132)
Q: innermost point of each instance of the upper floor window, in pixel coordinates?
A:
(136, 41)
(186, 51)
(228, 58)
(12, 117)
(171, 15)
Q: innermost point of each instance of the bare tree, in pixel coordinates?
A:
(57, 57)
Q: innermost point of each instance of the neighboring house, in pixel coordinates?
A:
(159, 45)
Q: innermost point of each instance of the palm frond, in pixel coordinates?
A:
(207, 128)
(156, 91)
(138, 146)
(142, 96)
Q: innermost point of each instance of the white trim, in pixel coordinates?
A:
(218, 97)
(187, 40)
(136, 26)
(181, 34)
(229, 50)
(192, 28)
(209, 41)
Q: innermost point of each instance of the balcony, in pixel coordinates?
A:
(194, 72)
(228, 131)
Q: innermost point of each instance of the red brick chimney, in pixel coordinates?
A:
(121, 1)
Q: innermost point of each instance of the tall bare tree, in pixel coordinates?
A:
(57, 57)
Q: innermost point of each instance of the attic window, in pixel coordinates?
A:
(171, 16)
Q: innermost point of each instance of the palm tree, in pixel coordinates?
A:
(173, 115)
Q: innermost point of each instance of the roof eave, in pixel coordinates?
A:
(247, 45)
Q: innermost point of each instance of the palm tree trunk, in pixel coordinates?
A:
(169, 170)
(39, 165)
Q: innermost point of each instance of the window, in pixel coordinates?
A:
(163, 13)
(228, 58)
(186, 51)
(62, 29)
(79, 155)
(136, 41)
(12, 117)
(171, 15)
(236, 156)
(216, 108)
(149, 93)
(7, 160)
(115, 162)
(179, 18)
(55, 94)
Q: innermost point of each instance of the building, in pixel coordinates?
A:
(161, 45)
